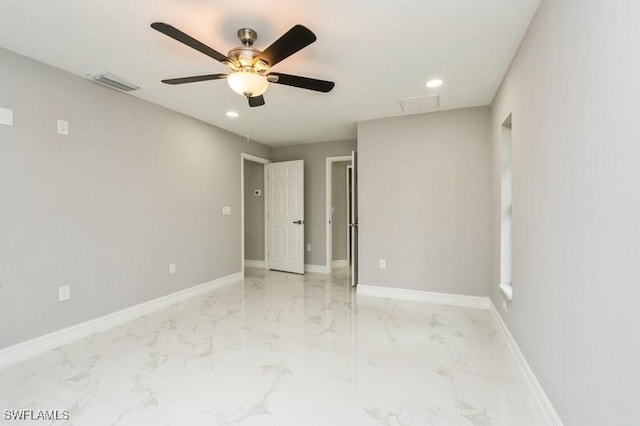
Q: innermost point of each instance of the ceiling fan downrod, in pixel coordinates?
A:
(247, 36)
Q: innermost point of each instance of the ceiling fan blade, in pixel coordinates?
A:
(194, 79)
(302, 82)
(178, 35)
(292, 41)
(256, 101)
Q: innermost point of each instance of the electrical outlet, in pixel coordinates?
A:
(64, 293)
(63, 127)
(505, 307)
(308, 247)
(172, 268)
(6, 116)
(382, 264)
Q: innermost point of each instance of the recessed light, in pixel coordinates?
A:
(232, 114)
(434, 83)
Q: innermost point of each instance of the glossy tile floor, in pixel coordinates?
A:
(282, 349)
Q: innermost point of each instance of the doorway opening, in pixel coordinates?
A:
(253, 211)
(338, 204)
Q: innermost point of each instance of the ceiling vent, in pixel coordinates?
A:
(113, 81)
(421, 103)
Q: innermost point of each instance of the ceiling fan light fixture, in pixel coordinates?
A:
(248, 83)
(250, 77)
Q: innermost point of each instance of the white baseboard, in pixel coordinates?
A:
(248, 263)
(507, 291)
(342, 263)
(424, 296)
(319, 269)
(33, 347)
(543, 401)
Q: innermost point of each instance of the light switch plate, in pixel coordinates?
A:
(172, 268)
(6, 116)
(226, 210)
(382, 264)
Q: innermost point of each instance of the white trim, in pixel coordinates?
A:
(354, 259)
(507, 291)
(318, 269)
(254, 263)
(424, 296)
(253, 158)
(348, 205)
(265, 193)
(327, 204)
(550, 414)
(22, 351)
(342, 263)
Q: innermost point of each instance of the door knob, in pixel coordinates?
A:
(298, 222)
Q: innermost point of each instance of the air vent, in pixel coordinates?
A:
(113, 81)
(422, 103)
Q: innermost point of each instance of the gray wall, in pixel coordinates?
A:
(424, 201)
(573, 90)
(107, 208)
(339, 220)
(314, 156)
(253, 211)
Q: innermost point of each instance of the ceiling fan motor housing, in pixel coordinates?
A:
(245, 57)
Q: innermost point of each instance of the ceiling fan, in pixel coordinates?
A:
(251, 76)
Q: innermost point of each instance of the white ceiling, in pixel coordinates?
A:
(376, 51)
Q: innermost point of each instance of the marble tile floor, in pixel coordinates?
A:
(283, 349)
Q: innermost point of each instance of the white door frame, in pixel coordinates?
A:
(255, 159)
(328, 204)
(348, 192)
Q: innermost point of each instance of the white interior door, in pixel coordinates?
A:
(353, 224)
(285, 216)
